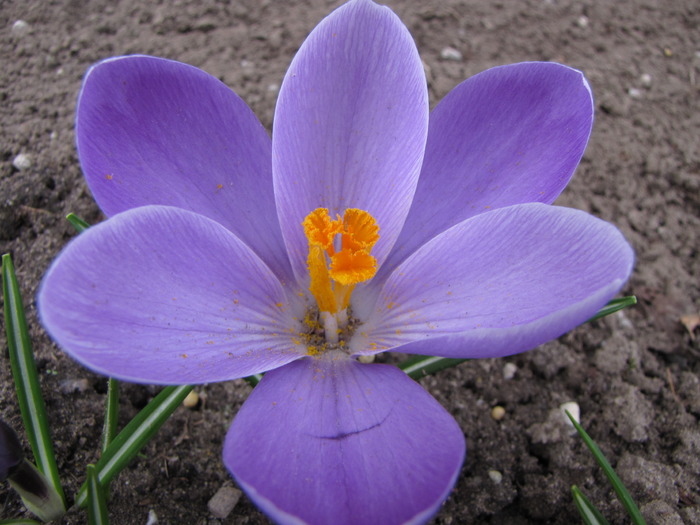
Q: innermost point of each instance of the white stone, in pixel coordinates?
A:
(20, 27)
(634, 93)
(645, 80)
(495, 476)
(152, 518)
(223, 502)
(450, 53)
(509, 370)
(582, 21)
(22, 162)
(573, 409)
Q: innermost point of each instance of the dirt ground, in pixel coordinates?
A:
(635, 375)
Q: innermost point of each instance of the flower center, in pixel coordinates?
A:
(339, 258)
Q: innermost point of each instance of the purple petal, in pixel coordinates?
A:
(499, 283)
(329, 440)
(155, 131)
(162, 295)
(510, 135)
(350, 125)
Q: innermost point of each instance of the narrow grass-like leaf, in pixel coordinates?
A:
(109, 429)
(78, 223)
(96, 501)
(26, 379)
(19, 521)
(622, 493)
(614, 306)
(253, 380)
(135, 435)
(589, 513)
(420, 366)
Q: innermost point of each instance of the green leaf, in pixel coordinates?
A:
(420, 366)
(26, 379)
(96, 501)
(135, 435)
(589, 513)
(109, 428)
(254, 379)
(78, 223)
(36, 491)
(613, 306)
(19, 521)
(622, 493)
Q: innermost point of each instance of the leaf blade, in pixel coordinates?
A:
(589, 513)
(96, 501)
(26, 378)
(135, 435)
(622, 493)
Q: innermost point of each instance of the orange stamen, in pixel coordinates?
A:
(334, 274)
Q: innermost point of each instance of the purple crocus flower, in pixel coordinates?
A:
(362, 226)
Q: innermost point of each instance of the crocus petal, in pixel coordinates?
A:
(510, 135)
(163, 295)
(350, 125)
(330, 440)
(155, 131)
(499, 283)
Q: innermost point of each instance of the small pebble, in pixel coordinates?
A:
(366, 359)
(668, 52)
(152, 517)
(498, 412)
(509, 370)
(22, 162)
(573, 409)
(495, 476)
(223, 502)
(70, 386)
(192, 400)
(645, 80)
(450, 53)
(20, 27)
(582, 21)
(634, 93)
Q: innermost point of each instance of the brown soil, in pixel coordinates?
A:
(635, 375)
